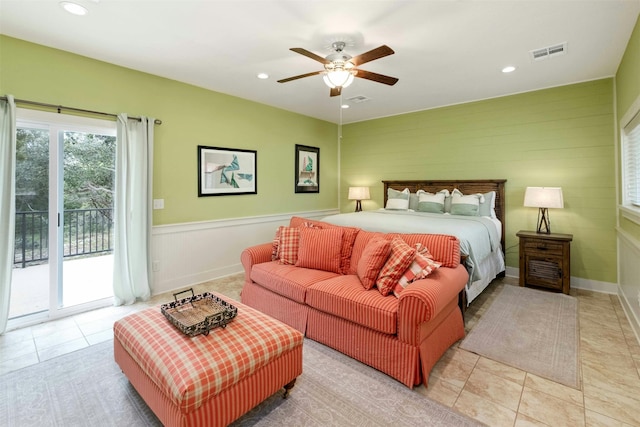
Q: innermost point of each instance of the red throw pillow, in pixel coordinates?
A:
(420, 267)
(373, 257)
(401, 257)
(289, 244)
(320, 249)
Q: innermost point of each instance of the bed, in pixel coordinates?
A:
(482, 238)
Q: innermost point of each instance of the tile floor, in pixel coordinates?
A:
(488, 391)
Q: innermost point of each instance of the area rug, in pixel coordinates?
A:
(532, 330)
(86, 387)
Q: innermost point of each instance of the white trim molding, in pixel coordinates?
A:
(578, 283)
(631, 213)
(190, 253)
(629, 278)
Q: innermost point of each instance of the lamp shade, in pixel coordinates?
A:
(544, 197)
(359, 193)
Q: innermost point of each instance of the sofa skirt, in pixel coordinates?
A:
(381, 351)
(411, 365)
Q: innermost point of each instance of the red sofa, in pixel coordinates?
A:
(402, 336)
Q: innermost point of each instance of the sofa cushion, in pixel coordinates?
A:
(348, 237)
(344, 296)
(320, 249)
(373, 257)
(287, 280)
(401, 257)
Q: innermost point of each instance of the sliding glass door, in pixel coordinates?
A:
(64, 205)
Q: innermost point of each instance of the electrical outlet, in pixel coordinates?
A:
(158, 203)
(156, 266)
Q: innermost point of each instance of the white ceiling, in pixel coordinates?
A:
(446, 52)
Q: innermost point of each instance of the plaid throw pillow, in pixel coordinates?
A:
(289, 245)
(276, 240)
(400, 258)
(420, 267)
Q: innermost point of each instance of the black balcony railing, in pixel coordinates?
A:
(85, 232)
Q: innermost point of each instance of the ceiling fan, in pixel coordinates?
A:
(340, 68)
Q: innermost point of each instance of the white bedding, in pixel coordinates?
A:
(479, 237)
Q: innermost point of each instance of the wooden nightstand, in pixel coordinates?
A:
(545, 260)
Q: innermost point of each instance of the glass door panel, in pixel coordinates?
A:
(30, 283)
(63, 257)
(87, 232)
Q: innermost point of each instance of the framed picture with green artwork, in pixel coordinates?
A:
(307, 168)
(226, 171)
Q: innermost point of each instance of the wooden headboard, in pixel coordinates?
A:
(467, 187)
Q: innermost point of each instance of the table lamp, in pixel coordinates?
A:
(544, 198)
(358, 194)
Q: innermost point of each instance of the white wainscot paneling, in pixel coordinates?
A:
(187, 254)
(629, 278)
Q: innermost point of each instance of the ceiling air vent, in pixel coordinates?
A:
(548, 52)
(358, 99)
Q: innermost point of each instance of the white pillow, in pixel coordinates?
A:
(429, 202)
(397, 204)
(465, 205)
(398, 200)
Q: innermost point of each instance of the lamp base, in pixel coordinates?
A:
(544, 225)
(358, 206)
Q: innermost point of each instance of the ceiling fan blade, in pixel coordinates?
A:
(376, 53)
(335, 91)
(380, 78)
(308, 54)
(300, 76)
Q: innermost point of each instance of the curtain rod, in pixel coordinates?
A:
(59, 108)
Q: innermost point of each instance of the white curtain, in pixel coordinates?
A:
(132, 210)
(7, 203)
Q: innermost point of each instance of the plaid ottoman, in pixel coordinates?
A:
(207, 380)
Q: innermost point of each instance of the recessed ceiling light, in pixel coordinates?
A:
(263, 76)
(509, 69)
(345, 106)
(74, 8)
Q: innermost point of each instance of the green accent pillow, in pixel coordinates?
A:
(487, 208)
(413, 201)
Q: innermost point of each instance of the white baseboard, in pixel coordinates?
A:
(629, 278)
(577, 283)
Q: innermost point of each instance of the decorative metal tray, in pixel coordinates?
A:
(198, 314)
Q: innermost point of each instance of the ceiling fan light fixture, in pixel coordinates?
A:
(338, 78)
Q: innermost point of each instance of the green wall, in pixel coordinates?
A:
(556, 137)
(191, 116)
(627, 91)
